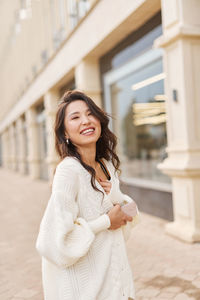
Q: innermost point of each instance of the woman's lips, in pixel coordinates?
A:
(88, 131)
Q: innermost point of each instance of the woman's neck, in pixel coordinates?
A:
(88, 155)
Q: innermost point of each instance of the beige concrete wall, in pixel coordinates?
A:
(78, 57)
(22, 52)
(181, 43)
(122, 20)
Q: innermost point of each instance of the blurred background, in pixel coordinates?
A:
(120, 54)
(137, 59)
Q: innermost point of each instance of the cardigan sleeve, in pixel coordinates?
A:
(63, 236)
(117, 197)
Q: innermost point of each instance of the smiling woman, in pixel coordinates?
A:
(83, 224)
(81, 130)
(81, 123)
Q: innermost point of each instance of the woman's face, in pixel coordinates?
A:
(82, 127)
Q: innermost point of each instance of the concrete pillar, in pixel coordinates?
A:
(33, 145)
(87, 79)
(21, 145)
(12, 146)
(8, 148)
(116, 124)
(181, 43)
(51, 104)
(5, 149)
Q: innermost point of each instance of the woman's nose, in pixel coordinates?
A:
(85, 119)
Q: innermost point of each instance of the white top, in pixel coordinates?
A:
(81, 258)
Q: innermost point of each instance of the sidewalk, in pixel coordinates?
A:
(163, 267)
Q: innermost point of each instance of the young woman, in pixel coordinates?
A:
(82, 233)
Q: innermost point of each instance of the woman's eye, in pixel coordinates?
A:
(74, 118)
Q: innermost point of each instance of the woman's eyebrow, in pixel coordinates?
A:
(77, 112)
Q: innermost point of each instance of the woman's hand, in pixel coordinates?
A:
(106, 185)
(118, 217)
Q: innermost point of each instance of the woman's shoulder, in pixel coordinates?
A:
(69, 162)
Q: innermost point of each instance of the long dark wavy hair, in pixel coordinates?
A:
(106, 144)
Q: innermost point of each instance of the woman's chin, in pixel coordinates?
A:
(87, 142)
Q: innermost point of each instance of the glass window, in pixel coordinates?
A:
(135, 44)
(137, 47)
(77, 10)
(135, 97)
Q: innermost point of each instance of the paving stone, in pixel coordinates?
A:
(148, 292)
(172, 289)
(187, 276)
(165, 296)
(162, 265)
(26, 293)
(196, 282)
(183, 296)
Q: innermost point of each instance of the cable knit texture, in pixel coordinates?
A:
(81, 258)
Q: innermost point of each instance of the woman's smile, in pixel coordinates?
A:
(80, 123)
(88, 131)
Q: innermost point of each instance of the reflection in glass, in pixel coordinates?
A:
(138, 106)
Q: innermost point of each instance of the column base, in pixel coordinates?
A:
(186, 233)
(22, 168)
(34, 170)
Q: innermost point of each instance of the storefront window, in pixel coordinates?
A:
(77, 10)
(135, 97)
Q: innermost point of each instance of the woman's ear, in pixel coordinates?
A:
(66, 135)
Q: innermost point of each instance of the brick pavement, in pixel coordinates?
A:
(163, 267)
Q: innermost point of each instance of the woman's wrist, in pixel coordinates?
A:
(99, 224)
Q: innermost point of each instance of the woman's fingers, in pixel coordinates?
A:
(105, 181)
(117, 217)
(106, 185)
(128, 218)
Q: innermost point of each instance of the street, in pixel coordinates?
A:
(163, 267)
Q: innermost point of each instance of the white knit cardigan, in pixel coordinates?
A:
(81, 258)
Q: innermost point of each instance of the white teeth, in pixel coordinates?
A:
(87, 130)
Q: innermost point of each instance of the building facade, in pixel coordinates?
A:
(140, 61)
